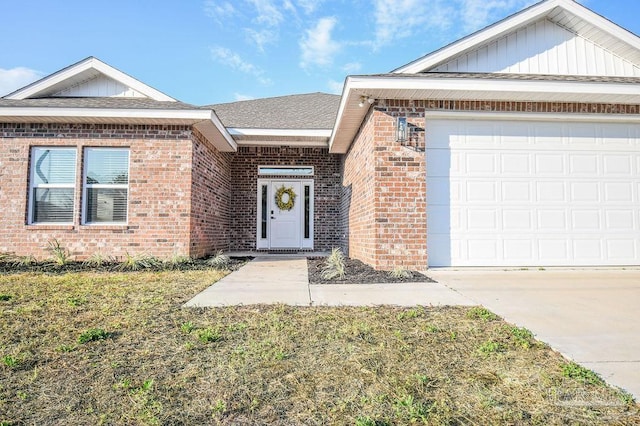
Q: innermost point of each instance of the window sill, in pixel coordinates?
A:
(107, 226)
(49, 227)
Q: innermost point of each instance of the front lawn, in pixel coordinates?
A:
(118, 348)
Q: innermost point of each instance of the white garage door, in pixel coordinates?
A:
(503, 193)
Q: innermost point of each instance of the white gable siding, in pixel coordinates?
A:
(100, 86)
(542, 48)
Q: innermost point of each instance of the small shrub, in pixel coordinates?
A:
(92, 335)
(138, 262)
(400, 273)
(97, 260)
(219, 260)
(209, 335)
(480, 312)
(334, 267)
(584, 375)
(5, 297)
(177, 261)
(59, 254)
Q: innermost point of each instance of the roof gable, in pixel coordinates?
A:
(89, 78)
(550, 37)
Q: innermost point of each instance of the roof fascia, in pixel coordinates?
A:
(509, 24)
(206, 121)
(362, 84)
(238, 131)
(89, 63)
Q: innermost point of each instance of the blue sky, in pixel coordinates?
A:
(212, 51)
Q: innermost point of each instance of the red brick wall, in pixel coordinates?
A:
(384, 190)
(244, 187)
(210, 198)
(159, 190)
(359, 196)
(383, 205)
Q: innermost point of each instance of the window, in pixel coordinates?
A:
(286, 170)
(106, 185)
(51, 191)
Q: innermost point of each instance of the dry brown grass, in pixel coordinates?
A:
(162, 364)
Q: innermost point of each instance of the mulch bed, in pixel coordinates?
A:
(54, 269)
(359, 273)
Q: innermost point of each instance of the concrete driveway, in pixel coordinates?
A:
(591, 316)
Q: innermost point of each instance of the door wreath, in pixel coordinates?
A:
(291, 196)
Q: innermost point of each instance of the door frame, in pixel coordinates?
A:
(265, 243)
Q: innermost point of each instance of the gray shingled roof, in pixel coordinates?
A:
(523, 77)
(306, 111)
(112, 103)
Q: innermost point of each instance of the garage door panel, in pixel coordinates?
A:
(482, 220)
(585, 192)
(550, 191)
(553, 250)
(517, 220)
(617, 165)
(516, 191)
(622, 220)
(550, 164)
(552, 220)
(518, 250)
(583, 164)
(588, 249)
(481, 190)
(518, 164)
(533, 194)
(586, 220)
(618, 191)
(622, 248)
(480, 164)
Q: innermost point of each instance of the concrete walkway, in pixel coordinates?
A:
(271, 280)
(591, 316)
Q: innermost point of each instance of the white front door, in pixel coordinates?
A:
(285, 225)
(290, 225)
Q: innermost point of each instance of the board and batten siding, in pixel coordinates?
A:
(100, 86)
(542, 48)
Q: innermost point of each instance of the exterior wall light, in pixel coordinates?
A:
(401, 129)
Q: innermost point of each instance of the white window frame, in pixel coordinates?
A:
(263, 167)
(33, 186)
(86, 186)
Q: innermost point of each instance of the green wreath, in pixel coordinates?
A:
(282, 205)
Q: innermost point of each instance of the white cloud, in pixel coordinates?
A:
(309, 6)
(241, 97)
(262, 37)
(318, 48)
(335, 86)
(352, 67)
(231, 59)
(267, 12)
(396, 19)
(476, 14)
(219, 10)
(16, 78)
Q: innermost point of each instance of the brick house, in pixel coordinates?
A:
(517, 145)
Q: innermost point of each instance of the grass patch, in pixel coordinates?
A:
(160, 363)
